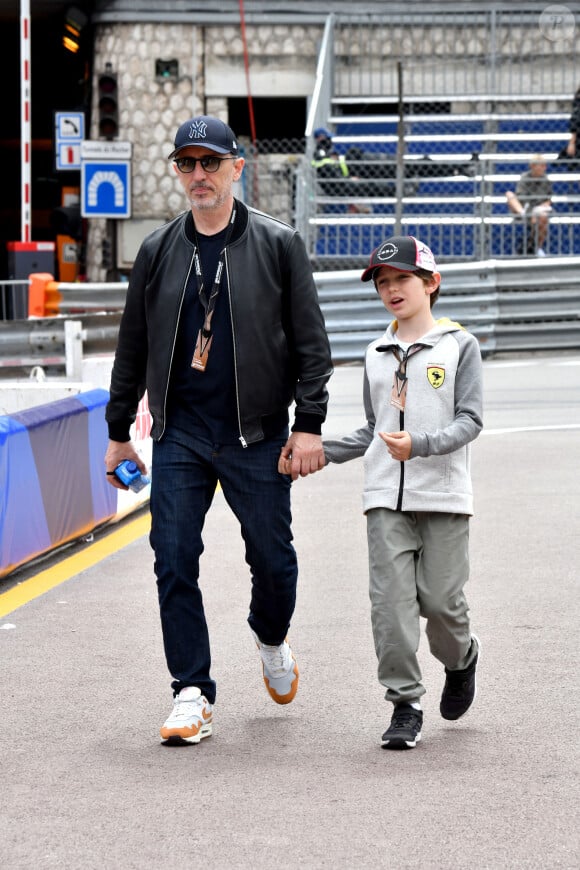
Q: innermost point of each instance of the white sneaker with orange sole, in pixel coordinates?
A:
(191, 718)
(279, 669)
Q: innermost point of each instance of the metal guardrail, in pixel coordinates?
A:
(509, 305)
(58, 297)
(56, 343)
(92, 297)
(515, 305)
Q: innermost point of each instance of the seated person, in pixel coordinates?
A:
(533, 198)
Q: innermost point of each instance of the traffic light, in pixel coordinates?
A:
(106, 254)
(75, 21)
(108, 104)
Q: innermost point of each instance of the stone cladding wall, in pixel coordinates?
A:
(211, 69)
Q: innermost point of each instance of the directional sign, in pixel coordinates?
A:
(68, 156)
(69, 132)
(106, 178)
(106, 189)
(70, 125)
(98, 149)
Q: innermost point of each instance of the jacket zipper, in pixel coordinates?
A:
(241, 439)
(410, 350)
(402, 464)
(173, 347)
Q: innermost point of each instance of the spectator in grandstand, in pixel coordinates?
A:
(328, 162)
(323, 142)
(571, 150)
(532, 199)
(333, 172)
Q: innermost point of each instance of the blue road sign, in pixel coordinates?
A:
(69, 132)
(106, 189)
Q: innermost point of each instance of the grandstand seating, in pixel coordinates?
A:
(457, 169)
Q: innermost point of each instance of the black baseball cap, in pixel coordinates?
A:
(207, 131)
(401, 252)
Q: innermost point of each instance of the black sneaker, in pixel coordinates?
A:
(404, 732)
(460, 688)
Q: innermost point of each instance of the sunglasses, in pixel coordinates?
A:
(209, 163)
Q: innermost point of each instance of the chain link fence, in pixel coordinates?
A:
(433, 117)
(452, 196)
(508, 51)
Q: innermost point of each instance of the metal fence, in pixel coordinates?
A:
(511, 52)
(435, 116)
(427, 142)
(510, 306)
(454, 200)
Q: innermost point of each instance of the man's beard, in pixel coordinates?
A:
(213, 201)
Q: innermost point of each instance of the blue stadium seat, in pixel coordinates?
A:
(452, 237)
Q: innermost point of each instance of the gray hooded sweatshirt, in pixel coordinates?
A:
(443, 413)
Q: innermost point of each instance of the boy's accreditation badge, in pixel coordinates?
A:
(201, 352)
(399, 391)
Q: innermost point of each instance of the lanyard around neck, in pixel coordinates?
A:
(209, 304)
(404, 359)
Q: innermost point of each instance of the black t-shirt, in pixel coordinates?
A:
(205, 402)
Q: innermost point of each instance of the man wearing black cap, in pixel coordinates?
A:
(222, 327)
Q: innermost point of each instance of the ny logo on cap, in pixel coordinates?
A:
(198, 130)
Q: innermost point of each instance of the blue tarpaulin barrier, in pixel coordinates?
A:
(52, 483)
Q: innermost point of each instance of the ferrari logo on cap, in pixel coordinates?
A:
(435, 376)
(198, 130)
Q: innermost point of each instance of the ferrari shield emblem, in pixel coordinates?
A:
(435, 376)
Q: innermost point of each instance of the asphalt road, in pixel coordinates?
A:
(83, 687)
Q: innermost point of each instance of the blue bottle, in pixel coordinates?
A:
(128, 473)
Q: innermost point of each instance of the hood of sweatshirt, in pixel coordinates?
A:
(441, 327)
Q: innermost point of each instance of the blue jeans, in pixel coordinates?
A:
(186, 471)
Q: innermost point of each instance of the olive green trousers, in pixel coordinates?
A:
(418, 566)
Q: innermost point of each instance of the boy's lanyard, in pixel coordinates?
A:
(205, 336)
(400, 382)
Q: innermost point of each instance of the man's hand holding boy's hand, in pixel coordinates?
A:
(301, 455)
(398, 444)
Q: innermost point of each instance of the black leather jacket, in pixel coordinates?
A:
(281, 349)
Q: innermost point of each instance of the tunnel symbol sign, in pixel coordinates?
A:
(108, 177)
(105, 189)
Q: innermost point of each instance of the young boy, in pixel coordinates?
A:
(423, 403)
